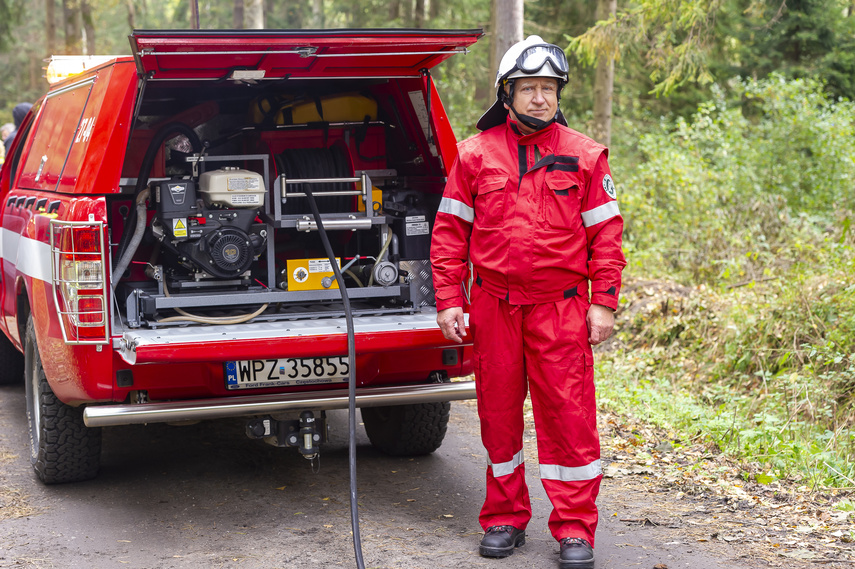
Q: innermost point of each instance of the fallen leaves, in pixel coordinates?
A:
(692, 489)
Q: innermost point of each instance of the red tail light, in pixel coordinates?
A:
(79, 280)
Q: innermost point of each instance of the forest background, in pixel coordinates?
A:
(731, 139)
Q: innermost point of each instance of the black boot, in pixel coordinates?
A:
(576, 553)
(500, 541)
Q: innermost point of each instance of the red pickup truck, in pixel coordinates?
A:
(160, 262)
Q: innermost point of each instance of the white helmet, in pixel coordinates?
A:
(529, 58)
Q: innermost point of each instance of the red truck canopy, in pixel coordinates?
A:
(280, 54)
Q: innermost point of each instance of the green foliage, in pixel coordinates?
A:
(762, 427)
(674, 35)
(749, 202)
(799, 38)
(10, 15)
(743, 185)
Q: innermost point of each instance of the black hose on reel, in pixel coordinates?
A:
(303, 163)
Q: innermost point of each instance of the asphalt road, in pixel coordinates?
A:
(205, 496)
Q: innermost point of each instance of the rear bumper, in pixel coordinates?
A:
(113, 415)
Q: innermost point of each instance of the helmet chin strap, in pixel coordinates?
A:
(533, 123)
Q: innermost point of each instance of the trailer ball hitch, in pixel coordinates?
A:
(306, 434)
(309, 438)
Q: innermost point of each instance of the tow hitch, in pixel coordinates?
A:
(306, 434)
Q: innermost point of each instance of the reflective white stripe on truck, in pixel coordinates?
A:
(31, 257)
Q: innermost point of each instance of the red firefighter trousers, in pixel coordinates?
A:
(544, 348)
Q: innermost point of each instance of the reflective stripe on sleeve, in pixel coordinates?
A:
(505, 468)
(570, 473)
(457, 208)
(600, 214)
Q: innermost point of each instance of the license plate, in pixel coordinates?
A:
(283, 372)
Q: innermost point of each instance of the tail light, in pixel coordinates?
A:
(80, 288)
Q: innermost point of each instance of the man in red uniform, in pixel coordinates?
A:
(529, 220)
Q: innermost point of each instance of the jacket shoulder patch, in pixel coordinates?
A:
(609, 186)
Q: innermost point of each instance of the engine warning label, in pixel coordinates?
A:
(179, 227)
(240, 184)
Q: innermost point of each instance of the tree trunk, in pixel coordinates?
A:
(507, 30)
(604, 82)
(88, 26)
(318, 14)
(419, 14)
(254, 15)
(435, 8)
(294, 10)
(237, 15)
(394, 10)
(71, 18)
(194, 14)
(357, 16)
(132, 13)
(50, 26)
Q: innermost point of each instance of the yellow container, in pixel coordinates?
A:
(338, 108)
(345, 107)
(309, 274)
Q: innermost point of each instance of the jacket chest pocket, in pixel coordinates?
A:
(562, 204)
(490, 201)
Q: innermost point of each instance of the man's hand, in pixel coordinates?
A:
(601, 323)
(452, 324)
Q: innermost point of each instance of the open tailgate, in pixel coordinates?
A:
(285, 54)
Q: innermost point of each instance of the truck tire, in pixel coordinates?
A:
(407, 430)
(11, 362)
(62, 447)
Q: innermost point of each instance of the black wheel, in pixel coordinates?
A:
(407, 430)
(11, 362)
(62, 447)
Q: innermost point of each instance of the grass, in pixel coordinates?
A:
(762, 374)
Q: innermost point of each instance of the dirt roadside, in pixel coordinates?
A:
(204, 496)
(701, 497)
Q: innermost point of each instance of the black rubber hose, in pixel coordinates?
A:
(317, 163)
(351, 385)
(166, 131)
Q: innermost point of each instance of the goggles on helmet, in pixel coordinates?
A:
(533, 58)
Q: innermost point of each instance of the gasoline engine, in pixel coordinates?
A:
(209, 228)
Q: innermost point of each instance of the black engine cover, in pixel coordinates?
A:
(229, 250)
(220, 242)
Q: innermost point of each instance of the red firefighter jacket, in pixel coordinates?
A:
(535, 213)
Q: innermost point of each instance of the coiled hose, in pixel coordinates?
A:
(303, 163)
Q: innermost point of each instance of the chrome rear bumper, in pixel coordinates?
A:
(113, 415)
